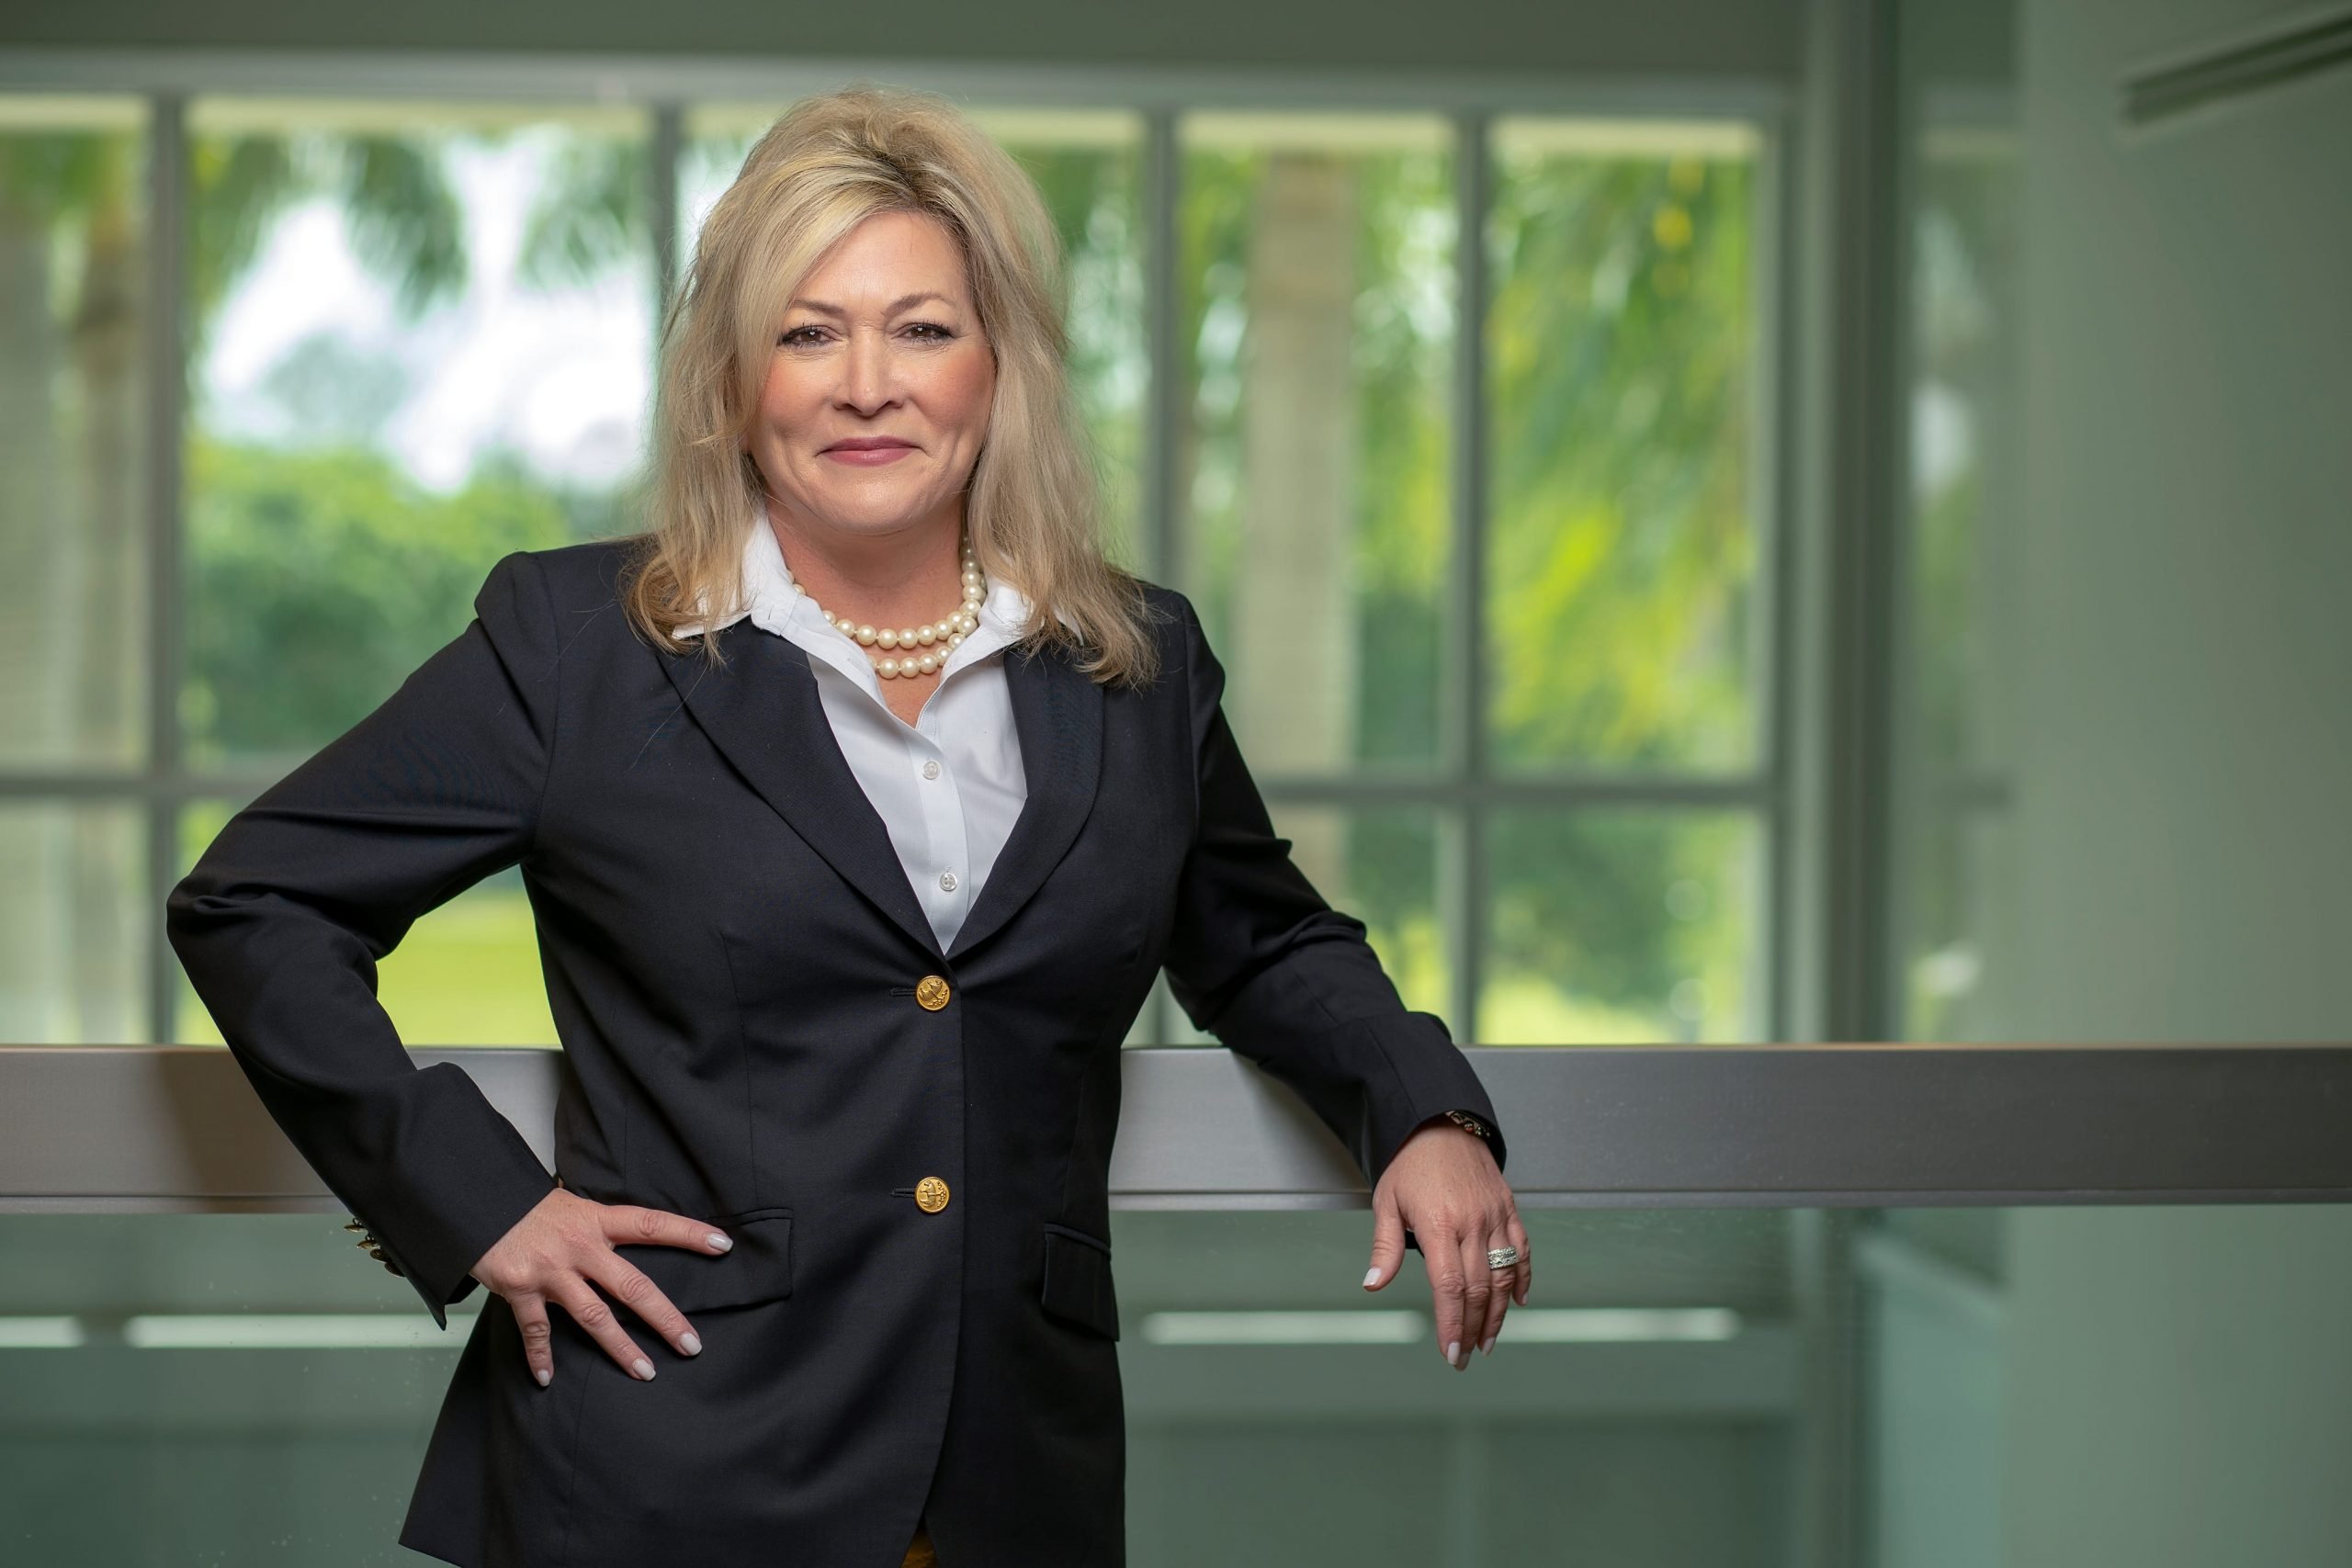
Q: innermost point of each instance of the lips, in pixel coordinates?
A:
(872, 444)
(868, 453)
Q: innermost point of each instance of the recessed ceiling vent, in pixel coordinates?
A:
(2280, 50)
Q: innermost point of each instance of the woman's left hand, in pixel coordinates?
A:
(1444, 1185)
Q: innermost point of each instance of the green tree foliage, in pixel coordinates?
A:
(401, 220)
(1403, 341)
(1093, 194)
(320, 578)
(1621, 340)
(1620, 549)
(1621, 562)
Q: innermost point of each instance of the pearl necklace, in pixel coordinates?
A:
(944, 635)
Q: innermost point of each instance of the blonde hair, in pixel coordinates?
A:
(1033, 506)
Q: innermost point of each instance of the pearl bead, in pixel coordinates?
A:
(945, 633)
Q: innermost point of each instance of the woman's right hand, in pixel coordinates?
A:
(564, 1243)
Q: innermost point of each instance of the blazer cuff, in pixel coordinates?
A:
(463, 1189)
(1427, 1075)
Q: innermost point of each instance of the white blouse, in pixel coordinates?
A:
(948, 787)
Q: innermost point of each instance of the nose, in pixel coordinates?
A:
(868, 374)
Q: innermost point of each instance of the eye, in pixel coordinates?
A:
(932, 331)
(794, 338)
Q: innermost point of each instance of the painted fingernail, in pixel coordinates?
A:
(1488, 1348)
(1454, 1354)
(1371, 1274)
(542, 1374)
(692, 1344)
(642, 1367)
(718, 1242)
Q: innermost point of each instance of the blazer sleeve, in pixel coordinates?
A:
(1260, 960)
(282, 922)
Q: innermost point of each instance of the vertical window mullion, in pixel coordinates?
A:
(165, 347)
(669, 141)
(1773, 390)
(1162, 552)
(1462, 869)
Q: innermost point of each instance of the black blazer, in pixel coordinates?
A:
(753, 1033)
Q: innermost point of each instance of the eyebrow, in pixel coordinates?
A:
(901, 303)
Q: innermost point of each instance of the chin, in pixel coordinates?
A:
(870, 514)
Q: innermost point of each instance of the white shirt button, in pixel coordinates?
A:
(947, 881)
(931, 770)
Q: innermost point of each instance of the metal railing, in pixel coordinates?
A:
(162, 1129)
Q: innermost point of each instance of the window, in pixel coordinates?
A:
(1509, 715)
(1621, 587)
(1961, 517)
(420, 338)
(74, 931)
(1446, 419)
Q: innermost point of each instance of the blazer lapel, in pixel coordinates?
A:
(763, 714)
(1057, 712)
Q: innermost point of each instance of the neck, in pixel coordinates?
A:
(908, 576)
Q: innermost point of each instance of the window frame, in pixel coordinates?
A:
(1796, 975)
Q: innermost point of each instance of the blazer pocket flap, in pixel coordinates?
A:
(1078, 1282)
(758, 1268)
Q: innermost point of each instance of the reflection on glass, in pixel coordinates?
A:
(1616, 926)
(1687, 1388)
(1379, 866)
(1318, 299)
(73, 504)
(1088, 164)
(466, 974)
(1622, 341)
(421, 339)
(1963, 497)
(76, 926)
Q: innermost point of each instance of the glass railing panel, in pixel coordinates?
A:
(1934, 1388)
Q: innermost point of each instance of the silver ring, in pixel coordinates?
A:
(1501, 1256)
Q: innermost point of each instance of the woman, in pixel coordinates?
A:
(859, 801)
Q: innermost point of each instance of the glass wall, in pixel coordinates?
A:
(419, 338)
(1622, 572)
(1963, 504)
(75, 937)
(1934, 1388)
(1568, 753)
(1318, 309)
(1487, 592)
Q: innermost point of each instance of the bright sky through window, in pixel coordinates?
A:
(557, 374)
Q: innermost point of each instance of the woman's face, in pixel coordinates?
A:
(879, 384)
